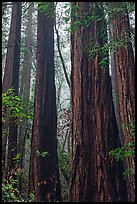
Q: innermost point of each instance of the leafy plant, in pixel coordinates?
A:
(64, 160)
(126, 173)
(46, 7)
(104, 62)
(127, 150)
(13, 107)
(31, 197)
(16, 158)
(42, 154)
(9, 192)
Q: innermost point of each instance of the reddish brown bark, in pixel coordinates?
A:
(125, 76)
(13, 53)
(11, 77)
(95, 177)
(44, 126)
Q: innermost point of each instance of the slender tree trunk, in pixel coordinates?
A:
(125, 80)
(25, 94)
(61, 57)
(44, 126)
(11, 77)
(95, 177)
(31, 169)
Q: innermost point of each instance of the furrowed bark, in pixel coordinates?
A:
(95, 176)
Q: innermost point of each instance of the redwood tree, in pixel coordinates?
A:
(44, 126)
(95, 177)
(11, 79)
(124, 85)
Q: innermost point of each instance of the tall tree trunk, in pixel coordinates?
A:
(44, 126)
(25, 94)
(125, 88)
(95, 177)
(11, 77)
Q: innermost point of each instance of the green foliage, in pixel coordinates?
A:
(13, 107)
(115, 9)
(112, 45)
(9, 192)
(104, 62)
(46, 7)
(130, 7)
(121, 41)
(67, 13)
(32, 197)
(104, 50)
(79, 19)
(41, 154)
(64, 160)
(123, 152)
(131, 127)
(127, 150)
(95, 48)
(16, 158)
(84, 22)
(126, 173)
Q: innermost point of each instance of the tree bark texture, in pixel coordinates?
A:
(95, 176)
(44, 127)
(125, 84)
(11, 76)
(11, 72)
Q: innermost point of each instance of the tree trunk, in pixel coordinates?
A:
(44, 126)
(25, 95)
(125, 80)
(11, 76)
(116, 92)
(95, 177)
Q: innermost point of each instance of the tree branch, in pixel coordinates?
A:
(61, 57)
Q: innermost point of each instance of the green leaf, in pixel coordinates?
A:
(41, 154)
(16, 157)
